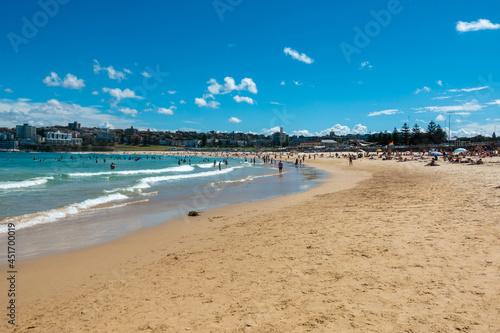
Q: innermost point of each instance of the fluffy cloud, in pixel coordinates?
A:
(9, 91)
(282, 83)
(112, 73)
(497, 102)
(440, 118)
(240, 99)
(297, 83)
(441, 97)
(230, 85)
(300, 57)
(468, 89)
(95, 93)
(119, 94)
(182, 101)
(70, 81)
(481, 24)
(202, 102)
(439, 83)
(129, 111)
(234, 120)
(146, 74)
(366, 64)
(424, 89)
(53, 112)
(169, 111)
(172, 92)
(469, 106)
(384, 112)
(338, 129)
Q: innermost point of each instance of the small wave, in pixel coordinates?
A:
(146, 182)
(29, 220)
(205, 166)
(25, 183)
(182, 168)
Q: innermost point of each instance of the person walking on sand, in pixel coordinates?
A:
(350, 159)
(280, 166)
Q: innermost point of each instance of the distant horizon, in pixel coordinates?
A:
(233, 66)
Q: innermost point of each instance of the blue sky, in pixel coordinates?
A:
(252, 66)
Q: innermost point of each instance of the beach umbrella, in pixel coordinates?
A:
(460, 150)
(436, 153)
(379, 150)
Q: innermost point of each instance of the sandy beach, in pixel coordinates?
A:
(380, 246)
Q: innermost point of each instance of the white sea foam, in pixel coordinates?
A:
(146, 182)
(205, 166)
(182, 168)
(25, 183)
(29, 220)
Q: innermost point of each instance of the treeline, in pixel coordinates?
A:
(414, 136)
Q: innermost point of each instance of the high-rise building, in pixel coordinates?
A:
(279, 138)
(74, 126)
(25, 131)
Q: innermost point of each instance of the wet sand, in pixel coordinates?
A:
(380, 246)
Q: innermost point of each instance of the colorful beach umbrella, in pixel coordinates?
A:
(460, 150)
(436, 153)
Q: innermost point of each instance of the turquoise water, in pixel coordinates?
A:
(45, 188)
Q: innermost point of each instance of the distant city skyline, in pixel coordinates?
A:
(252, 67)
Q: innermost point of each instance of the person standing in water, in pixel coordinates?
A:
(280, 167)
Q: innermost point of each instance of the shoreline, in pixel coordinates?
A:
(390, 255)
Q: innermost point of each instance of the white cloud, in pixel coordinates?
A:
(230, 85)
(468, 89)
(9, 91)
(119, 94)
(70, 81)
(95, 93)
(481, 24)
(384, 112)
(338, 129)
(439, 82)
(128, 71)
(441, 97)
(202, 102)
(53, 112)
(440, 118)
(425, 89)
(146, 74)
(300, 57)
(297, 83)
(182, 101)
(112, 73)
(366, 64)
(282, 83)
(106, 125)
(469, 106)
(359, 129)
(276, 103)
(129, 111)
(240, 99)
(270, 131)
(234, 120)
(172, 92)
(497, 102)
(169, 111)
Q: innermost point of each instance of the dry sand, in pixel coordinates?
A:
(379, 247)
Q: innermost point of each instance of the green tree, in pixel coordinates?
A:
(395, 136)
(405, 134)
(416, 135)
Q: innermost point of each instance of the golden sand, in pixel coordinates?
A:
(378, 247)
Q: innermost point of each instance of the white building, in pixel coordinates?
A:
(58, 138)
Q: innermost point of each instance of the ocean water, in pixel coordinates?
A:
(80, 201)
